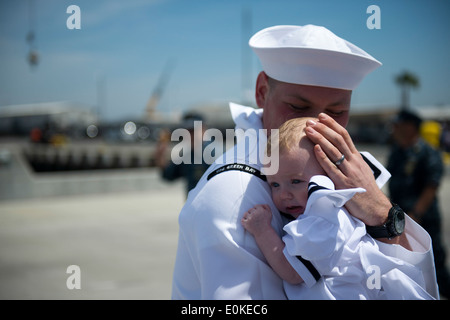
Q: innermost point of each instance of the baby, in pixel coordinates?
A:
(325, 253)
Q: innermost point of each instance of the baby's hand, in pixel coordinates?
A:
(257, 219)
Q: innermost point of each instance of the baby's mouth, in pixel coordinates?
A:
(294, 210)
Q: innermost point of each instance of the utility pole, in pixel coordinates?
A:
(246, 56)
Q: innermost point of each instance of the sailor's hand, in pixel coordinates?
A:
(257, 219)
(341, 161)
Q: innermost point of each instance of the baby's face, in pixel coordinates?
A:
(290, 184)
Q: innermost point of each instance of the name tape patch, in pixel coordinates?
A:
(237, 167)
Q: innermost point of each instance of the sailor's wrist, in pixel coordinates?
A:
(380, 214)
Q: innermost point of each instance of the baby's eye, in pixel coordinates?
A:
(296, 181)
(274, 184)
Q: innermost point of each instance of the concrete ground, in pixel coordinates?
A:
(123, 243)
(118, 226)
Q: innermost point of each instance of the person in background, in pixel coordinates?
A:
(190, 172)
(417, 170)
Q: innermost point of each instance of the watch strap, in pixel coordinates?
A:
(378, 231)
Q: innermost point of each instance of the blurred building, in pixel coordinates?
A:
(216, 115)
(64, 117)
(372, 125)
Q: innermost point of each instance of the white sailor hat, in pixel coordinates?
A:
(311, 55)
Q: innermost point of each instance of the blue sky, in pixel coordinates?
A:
(128, 43)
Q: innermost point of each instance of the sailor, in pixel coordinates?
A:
(417, 170)
(308, 71)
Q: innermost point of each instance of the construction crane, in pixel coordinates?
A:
(152, 103)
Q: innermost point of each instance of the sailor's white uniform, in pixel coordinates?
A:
(350, 263)
(218, 259)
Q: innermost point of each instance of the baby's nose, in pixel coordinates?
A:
(286, 194)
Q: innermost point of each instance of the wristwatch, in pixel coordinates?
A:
(393, 227)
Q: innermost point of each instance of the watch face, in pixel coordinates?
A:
(399, 221)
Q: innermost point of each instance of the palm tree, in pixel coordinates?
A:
(406, 81)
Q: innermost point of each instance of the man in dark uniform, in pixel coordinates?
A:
(417, 170)
(192, 171)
